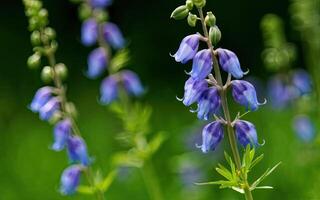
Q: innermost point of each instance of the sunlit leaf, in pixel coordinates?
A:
(83, 189)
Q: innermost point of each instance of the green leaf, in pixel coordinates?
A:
(222, 183)
(155, 143)
(120, 60)
(127, 159)
(263, 176)
(264, 187)
(237, 189)
(105, 184)
(88, 190)
(256, 161)
(224, 172)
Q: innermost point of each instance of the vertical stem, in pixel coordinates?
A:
(225, 107)
(151, 181)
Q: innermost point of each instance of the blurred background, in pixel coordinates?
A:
(29, 170)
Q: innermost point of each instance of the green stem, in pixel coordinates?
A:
(225, 107)
(151, 181)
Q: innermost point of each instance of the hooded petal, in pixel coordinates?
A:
(62, 132)
(113, 35)
(49, 109)
(77, 150)
(132, 83)
(202, 65)
(42, 96)
(192, 90)
(109, 89)
(70, 179)
(208, 103)
(245, 94)
(187, 49)
(229, 62)
(246, 133)
(212, 134)
(89, 32)
(97, 62)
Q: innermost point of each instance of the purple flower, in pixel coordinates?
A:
(188, 48)
(132, 83)
(279, 92)
(62, 131)
(89, 32)
(192, 91)
(70, 179)
(49, 109)
(77, 150)
(229, 62)
(246, 133)
(245, 94)
(41, 97)
(208, 103)
(304, 128)
(212, 134)
(113, 35)
(97, 62)
(100, 3)
(202, 65)
(109, 89)
(302, 81)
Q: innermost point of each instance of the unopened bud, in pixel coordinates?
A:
(84, 11)
(35, 38)
(61, 71)
(50, 33)
(34, 60)
(214, 35)
(47, 74)
(100, 15)
(210, 19)
(192, 20)
(199, 3)
(180, 13)
(189, 4)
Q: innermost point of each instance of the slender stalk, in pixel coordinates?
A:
(225, 107)
(151, 181)
(62, 94)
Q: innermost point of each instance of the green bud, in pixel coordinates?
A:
(210, 19)
(33, 23)
(35, 38)
(180, 13)
(84, 11)
(100, 15)
(43, 14)
(34, 60)
(192, 20)
(61, 71)
(47, 74)
(55, 117)
(214, 35)
(71, 109)
(50, 33)
(189, 4)
(199, 3)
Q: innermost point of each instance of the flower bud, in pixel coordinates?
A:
(34, 60)
(70, 179)
(189, 4)
(50, 33)
(84, 11)
(208, 103)
(77, 150)
(100, 15)
(49, 109)
(47, 74)
(304, 128)
(180, 12)
(192, 20)
(214, 35)
(89, 32)
(192, 90)
(246, 133)
(202, 64)
(245, 94)
(210, 19)
(199, 3)
(113, 35)
(62, 132)
(97, 62)
(35, 38)
(229, 62)
(132, 83)
(42, 96)
(212, 134)
(71, 109)
(187, 49)
(61, 71)
(109, 89)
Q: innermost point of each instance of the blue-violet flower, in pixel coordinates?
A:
(229, 62)
(77, 150)
(208, 103)
(246, 133)
(132, 83)
(89, 32)
(62, 131)
(109, 89)
(245, 94)
(212, 134)
(113, 35)
(202, 64)
(97, 62)
(187, 49)
(192, 91)
(41, 97)
(70, 179)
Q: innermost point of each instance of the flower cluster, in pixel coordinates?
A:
(208, 91)
(50, 100)
(96, 29)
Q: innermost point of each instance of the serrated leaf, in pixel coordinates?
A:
(83, 189)
(263, 176)
(105, 184)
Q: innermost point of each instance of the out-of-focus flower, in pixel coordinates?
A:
(100, 3)
(89, 32)
(49, 109)
(229, 62)
(113, 35)
(212, 134)
(187, 49)
(70, 179)
(245, 94)
(132, 83)
(202, 65)
(208, 103)
(246, 133)
(304, 128)
(42, 96)
(97, 62)
(62, 131)
(192, 91)
(77, 150)
(109, 89)
(302, 81)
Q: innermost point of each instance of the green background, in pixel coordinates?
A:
(29, 170)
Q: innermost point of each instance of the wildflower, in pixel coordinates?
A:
(192, 91)
(41, 97)
(212, 134)
(229, 62)
(245, 94)
(97, 62)
(89, 32)
(70, 179)
(62, 131)
(113, 35)
(100, 3)
(279, 92)
(77, 150)
(246, 133)
(49, 109)
(202, 65)
(109, 89)
(188, 48)
(304, 128)
(302, 81)
(132, 83)
(208, 103)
